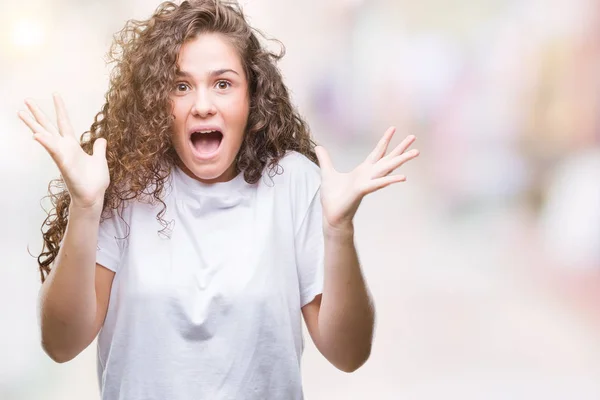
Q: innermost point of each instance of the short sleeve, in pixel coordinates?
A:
(111, 236)
(309, 245)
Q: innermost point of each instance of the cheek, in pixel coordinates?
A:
(180, 117)
(179, 110)
(239, 112)
(177, 113)
(178, 123)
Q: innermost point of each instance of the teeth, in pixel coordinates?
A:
(209, 131)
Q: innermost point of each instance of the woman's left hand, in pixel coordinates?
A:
(341, 193)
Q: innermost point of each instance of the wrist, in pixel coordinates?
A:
(86, 211)
(343, 230)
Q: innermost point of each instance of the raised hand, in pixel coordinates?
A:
(86, 176)
(341, 193)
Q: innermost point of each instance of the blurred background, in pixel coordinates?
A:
(484, 265)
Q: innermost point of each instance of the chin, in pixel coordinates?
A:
(208, 173)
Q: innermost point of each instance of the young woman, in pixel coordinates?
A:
(192, 227)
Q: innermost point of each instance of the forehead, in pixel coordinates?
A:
(208, 51)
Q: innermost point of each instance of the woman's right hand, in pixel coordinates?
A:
(86, 176)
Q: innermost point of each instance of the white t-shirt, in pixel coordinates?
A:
(210, 308)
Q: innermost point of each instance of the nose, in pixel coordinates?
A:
(203, 105)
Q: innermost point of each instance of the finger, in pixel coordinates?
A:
(40, 135)
(48, 142)
(380, 183)
(40, 117)
(31, 122)
(401, 148)
(99, 149)
(64, 125)
(324, 159)
(382, 145)
(388, 165)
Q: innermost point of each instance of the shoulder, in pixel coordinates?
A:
(298, 178)
(294, 157)
(296, 166)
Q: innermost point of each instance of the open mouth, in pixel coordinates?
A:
(206, 142)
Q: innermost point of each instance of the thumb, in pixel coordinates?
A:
(324, 159)
(100, 148)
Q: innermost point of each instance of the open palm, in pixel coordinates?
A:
(86, 176)
(341, 193)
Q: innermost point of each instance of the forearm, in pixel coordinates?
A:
(346, 317)
(67, 297)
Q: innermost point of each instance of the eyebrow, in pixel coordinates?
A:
(212, 74)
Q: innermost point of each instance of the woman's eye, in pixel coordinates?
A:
(223, 85)
(181, 87)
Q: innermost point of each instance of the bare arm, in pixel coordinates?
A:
(341, 321)
(74, 297)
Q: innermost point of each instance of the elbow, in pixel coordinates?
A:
(352, 367)
(62, 343)
(351, 364)
(58, 355)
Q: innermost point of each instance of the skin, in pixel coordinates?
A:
(341, 320)
(74, 297)
(212, 89)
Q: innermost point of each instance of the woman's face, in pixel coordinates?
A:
(210, 105)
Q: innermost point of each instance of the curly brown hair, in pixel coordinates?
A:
(136, 122)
